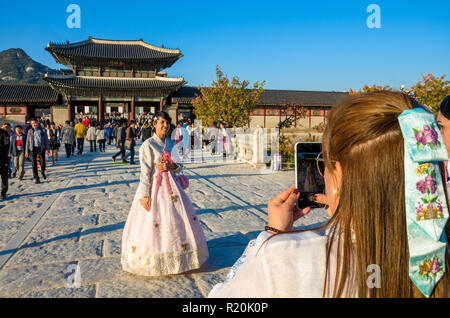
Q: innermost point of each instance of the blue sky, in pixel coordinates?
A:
(299, 45)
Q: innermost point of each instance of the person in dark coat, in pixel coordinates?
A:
(131, 137)
(146, 131)
(37, 145)
(120, 141)
(4, 161)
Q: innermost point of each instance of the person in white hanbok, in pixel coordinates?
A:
(162, 234)
(364, 184)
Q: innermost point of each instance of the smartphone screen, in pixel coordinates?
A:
(307, 177)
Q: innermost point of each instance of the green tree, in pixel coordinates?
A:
(227, 101)
(431, 91)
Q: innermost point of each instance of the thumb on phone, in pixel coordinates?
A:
(292, 198)
(283, 196)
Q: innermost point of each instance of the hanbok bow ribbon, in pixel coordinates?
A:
(165, 157)
(426, 204)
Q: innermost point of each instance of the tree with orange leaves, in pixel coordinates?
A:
(431, 91)
(373, 88)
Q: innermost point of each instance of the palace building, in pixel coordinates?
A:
(269, 111)
(20, 100)
(105, 76)
(109, 75)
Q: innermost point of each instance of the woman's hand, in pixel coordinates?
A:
(322, 199)
(165, 166)
(146, 202)
(282, 210)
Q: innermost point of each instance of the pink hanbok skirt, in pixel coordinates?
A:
(166, 240)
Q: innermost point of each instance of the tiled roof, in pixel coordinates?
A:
(272, 97)
(185, 95)
(113, 83)
(322, 98)
(115, 50)
(27, 93)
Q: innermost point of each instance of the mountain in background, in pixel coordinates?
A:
(17, 67)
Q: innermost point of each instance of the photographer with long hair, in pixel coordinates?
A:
(387, 207)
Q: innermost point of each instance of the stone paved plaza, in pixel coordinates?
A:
(79, 213)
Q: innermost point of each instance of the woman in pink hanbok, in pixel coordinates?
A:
(162, 234)
(224, 141)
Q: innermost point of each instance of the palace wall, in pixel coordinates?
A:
(60, 114)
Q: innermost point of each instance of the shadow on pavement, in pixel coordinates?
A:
(78, 234)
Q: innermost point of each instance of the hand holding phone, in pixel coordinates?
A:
(308, 178)
(282, 211)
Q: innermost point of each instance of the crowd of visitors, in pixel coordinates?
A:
(39, 140)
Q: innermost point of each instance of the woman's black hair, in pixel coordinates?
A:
(445, 107)
(162, 114)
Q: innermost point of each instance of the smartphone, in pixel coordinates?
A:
(307, 177)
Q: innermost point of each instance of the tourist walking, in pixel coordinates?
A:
(86, 122)
(67, 137)
(130, 142)
(146, 131)
(80, 134)
(74, 143)
(17, 151)
(54, 140)
(213, 136)
(224, 142)
(120, 141)
(185, 138)
(11, 169)
(205, 139)
(116, 126)
(4, 161)
(91, 137)
(109, 133)
(37, 146)
(162, 235)
(178, 137)
(100, 137)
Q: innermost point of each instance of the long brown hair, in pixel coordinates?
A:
(369, 224)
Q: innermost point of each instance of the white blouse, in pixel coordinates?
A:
(149, 155)
(100, 134)
(287, 265)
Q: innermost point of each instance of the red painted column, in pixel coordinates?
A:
(264, 116)
(279, 110)
(70, 110)
(295, 116)
(132, 110)
(310, 115)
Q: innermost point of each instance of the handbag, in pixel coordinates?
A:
(183, 181)
(128, 144)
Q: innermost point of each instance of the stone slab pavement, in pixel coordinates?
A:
(74, 219)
